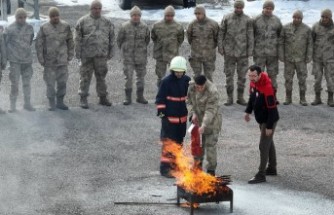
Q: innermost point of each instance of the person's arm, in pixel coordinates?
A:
(147, 36)
(180, 36)
(39, 46)
(70, 44)
(190, 33)
(78, 39)
(111, 40)
(120, 37)
(281, 41)
(210, 109)
(309, 53)
(221, 37)
(160, 100)
(3, 52)
(250, 37)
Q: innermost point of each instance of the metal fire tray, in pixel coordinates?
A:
(223, 193)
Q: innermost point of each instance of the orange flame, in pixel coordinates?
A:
(188, 175)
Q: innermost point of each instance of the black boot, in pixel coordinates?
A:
(52, 104)
(140, 96)
(104, 101)
(271, 171)
(60, 104)
(258, 178)
(84, 102)
(211, 172)
(12, 105)
(317, 99)
(27, 104)
(128, 95)
(241, 100)
(229, 101)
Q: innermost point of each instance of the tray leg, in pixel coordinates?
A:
(191, 206)
(231, 201)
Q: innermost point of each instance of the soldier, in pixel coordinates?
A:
(323, 56)
(235, 43)
(94, 42)
(295, 50)
(267, 29)
(18, 37)
(133, 39)
(167, 36)
(262, 102)
(3, 60)
(172, 109)
(204, 110)
(202, 36)
(55, 48)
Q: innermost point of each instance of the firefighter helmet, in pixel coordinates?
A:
(178, 64)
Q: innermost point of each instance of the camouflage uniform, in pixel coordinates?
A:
(267, 30)
(3, 59)
(18, 41)
(295, 50)
(203, 37)
(133, 40)
(323, 58)
(55, 48)
(236, 42)
(94, 41)
(167, 38)
(206, 107)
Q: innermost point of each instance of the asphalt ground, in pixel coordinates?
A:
(85, 161)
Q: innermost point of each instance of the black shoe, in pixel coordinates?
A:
(258, 178)
(211, 172)
(271, 171)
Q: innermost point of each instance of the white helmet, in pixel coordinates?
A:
(178, 64)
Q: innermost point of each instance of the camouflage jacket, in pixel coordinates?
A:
(3, 56)
(18, 40)
(94, 37)
(295, 43)
(236, 37)
(266, 35)
(133, 41)
(323, 42)
(167, 38)
(54, 44)
(203, 38)
(206, 106)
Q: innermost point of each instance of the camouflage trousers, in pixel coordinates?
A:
(327, 69)
(17, 70)
(53, 75)
(98, 66)
(209, 145)
(140, 70)
(289, 72)
(160, 70)
(270, 65)
(208, 67)
(241, 66)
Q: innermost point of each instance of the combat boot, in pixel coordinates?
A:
(140, 96)
(241, 100)
(52, 104)
(60, 104)
(258, 178)
(104, 101)
(12, 105)
(330, 101)
(27, 105)
(302, 98)
(288, 97)
(317, 99)
(128, 94)
(229, 101)
(2, 111)
(84, 102)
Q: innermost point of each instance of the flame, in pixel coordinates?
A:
(189, 175)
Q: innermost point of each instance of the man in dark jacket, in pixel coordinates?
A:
(172, 109)
(263, 103)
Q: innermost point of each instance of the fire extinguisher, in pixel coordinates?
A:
(196, 146)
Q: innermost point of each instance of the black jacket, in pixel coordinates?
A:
(263, 102)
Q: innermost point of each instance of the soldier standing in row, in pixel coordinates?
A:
(202, 35)
(55, 48)
(94, 42)
(18, 37)
(295, 50)
(235, 43)
(3, 60)
(267, 29)
(167, 36)
(133, 39)
(323, 56)
(204, 110)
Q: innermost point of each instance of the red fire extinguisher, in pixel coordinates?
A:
(196, 146)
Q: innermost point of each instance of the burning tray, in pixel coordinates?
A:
(222, 193)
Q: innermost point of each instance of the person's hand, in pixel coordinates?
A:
(201, 130)
(194, 119)
(269, 132)
(247, 117)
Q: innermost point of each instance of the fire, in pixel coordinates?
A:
(189, 175)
